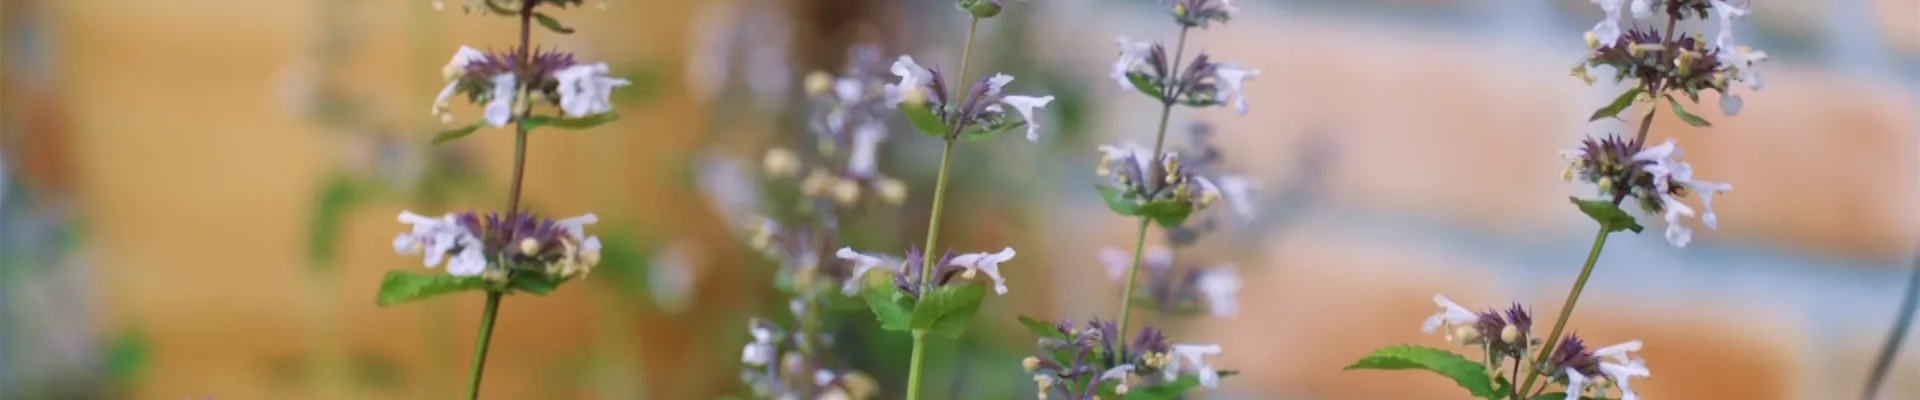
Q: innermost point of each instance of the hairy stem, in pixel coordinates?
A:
(1901, 323)
(1566, 310)
(480, 345)
(1159, 147)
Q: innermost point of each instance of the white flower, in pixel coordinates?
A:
(866, 141)
(435, 237)
(1608, 30)
(762, 350)
(822, 377)
(912, 77)
(1234, 77)
(1025, 105)
(1119, 261)
(997, 82)
(1450, 314)
(1234, 189)
(452, 72)
(1193, 356)
(849, 90)
(1642, 8)
(1221, 286)
(1132, 53)
(1620, 372)
(1737, 59)
(861, 264)
(1667, 171)
(987, 262)
(1141, 157)
(585, 89)
(500, 109)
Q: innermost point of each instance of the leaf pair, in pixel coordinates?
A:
(930, 124)
(1620, 104)
(529, 123)
(1467, 373)
(1607, 214)
(402, 286)
(943, 311)
(1169, 212)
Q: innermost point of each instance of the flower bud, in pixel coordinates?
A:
(780, 162)
(1510, 334)
(1031, 364)
(1466, 335)
(816, 183)
(529, 246)
(892, 190)
(1593, 41)
(846, 191)
(1606, 185)
(818, 83)
(981, 9)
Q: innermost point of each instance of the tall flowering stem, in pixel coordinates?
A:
(487, 317)
(1159, 148)
(1566, 310)
(933, 220)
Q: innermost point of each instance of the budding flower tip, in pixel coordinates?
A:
(1031, 364)
(529, 246)
(1593, 40)
(1510, 334)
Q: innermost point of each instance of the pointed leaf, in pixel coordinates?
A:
(925, 121)
(1118, 202)
(1146, 84)
(890, 307)
(1169, 213)
(1042, 329)
(1619, 104)
(536, 283)
(946, 310)
(978, 133)
(457, 133)
(401, 286)
(1467, 373)
(1607, 214)
(1691, 119)
(1165, 391)
(589, 121)
(552, 24)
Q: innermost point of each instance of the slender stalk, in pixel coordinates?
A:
(1902, 322)
(1159, 147)
(933, 221)
(1573, 297)
(480, 346)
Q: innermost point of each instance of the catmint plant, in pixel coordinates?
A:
(1656, 65)
(515, 251)
(1176, 189)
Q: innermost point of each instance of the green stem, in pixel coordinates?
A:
(1902, 322)
(480, 347)
(1159, 146)
(933, 224)
(966, 53)
(1566, 310)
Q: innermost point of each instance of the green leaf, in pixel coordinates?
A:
(1693, 92)
(1118, 202)
(1691, 119)
(1042, 329)
(457, 133)
(890, 307)
(537, 283)
(925, 120)
(128, 358)
(1168, 213)
(1145, 84)
(329, 210)
(1467, 373)
(946, 310)
(1607, 214)
(1619, 104)
(986, 132)
(401, 286)
(589, 121)
(552, 24)
(1165, 391)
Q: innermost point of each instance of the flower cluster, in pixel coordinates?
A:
(510, 7)
(1203, 159)
(980, 110)
(906, 272)
(1654, 176)
(1145, 67)
(1097, 361)
(1198, 13)
(503, 84)
(1178, 291)
(776, 365)
(1661, 61)
(1137, 178)
(1509, 338)
(848, 121)
(497, 248)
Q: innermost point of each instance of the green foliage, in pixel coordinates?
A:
(1607, 214)
(552, 24)
(1165, 391)
(401, 286)
(1042, 329)
(457, 133)
(534, 282)
(330, 208)
(978, 133)
(1118, 202)
(536, 121)
(893, 308)
(925, 121)
(1619, 104)
(1691, 119)
(127, 358)
(1169, 212)
(1146, 85)
(946, 310)
(1467, 373)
